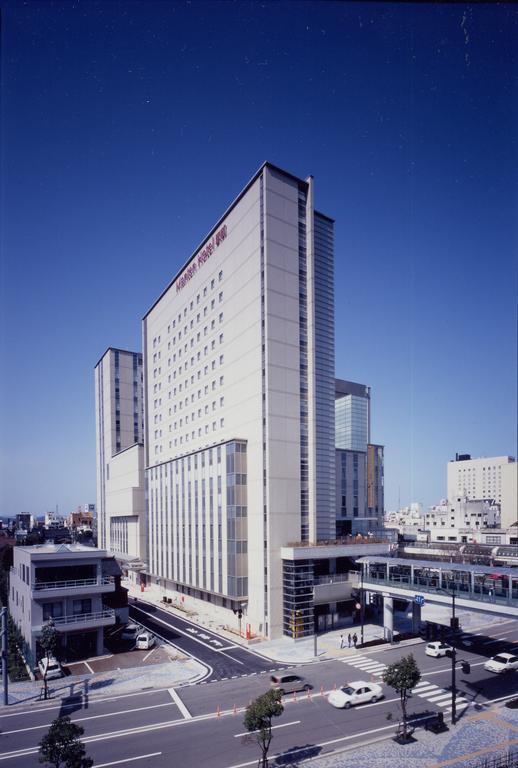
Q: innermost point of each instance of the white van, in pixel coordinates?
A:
(145, 641)
(53, 667)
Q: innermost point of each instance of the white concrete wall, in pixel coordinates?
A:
(125, 497)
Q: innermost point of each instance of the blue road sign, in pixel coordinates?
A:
(419, 599)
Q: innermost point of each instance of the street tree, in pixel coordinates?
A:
(258, 721)
(62, 745)
(403, 676)
(49, 642)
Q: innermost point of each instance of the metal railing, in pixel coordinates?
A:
(462, 589)
(336, 578)
(83, 618)
(348, 540)
(72, 583)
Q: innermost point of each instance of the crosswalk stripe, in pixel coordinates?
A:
(361, 662)
(422, 684)
(443, 695)
(368, 664)
(427, 690)
(458, 707)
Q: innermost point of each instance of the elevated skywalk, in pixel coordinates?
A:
(490, 589)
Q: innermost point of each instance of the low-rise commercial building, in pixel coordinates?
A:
(64, 583)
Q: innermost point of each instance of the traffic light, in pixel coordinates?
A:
(238, 612)
(466, 667)
(454, 623)
(373, 598)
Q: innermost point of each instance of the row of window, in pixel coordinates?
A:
(172, 324)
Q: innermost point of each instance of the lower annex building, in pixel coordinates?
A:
(239, 414)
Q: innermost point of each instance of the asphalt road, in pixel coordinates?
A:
(203, 724)
(223, 658)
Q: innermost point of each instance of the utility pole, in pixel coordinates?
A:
(362, 608)
(3, 633)
(453, 659)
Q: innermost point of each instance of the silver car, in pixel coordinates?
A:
(289, 683)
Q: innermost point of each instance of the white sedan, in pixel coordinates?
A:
(358, 692)
(503, 662)
(437, 649)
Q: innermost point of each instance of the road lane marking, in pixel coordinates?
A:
(92, 717)
(189, 635)
(197, 626)
(129, 759)
(80, 700)
(283, 725)
(150, 652)
(179, 703)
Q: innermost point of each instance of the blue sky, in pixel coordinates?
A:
(127, 129)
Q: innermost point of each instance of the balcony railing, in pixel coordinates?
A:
(84, 618)
(73, 583)
(348, 540)
(336, 578)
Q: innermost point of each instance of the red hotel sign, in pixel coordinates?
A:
(201, 258)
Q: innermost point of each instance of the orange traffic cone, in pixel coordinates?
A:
(218, 711)
(234, 712)
(321, 690)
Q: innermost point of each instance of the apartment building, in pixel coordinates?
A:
(64, 582)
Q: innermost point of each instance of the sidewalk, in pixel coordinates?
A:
(474, 739)
(116, 681)
(281, 650)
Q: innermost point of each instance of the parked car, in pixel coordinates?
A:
(359, 692)
(289, 683)
(145, 640)
(502, 662)
(130, 632)
(438, 649)
(53, 667)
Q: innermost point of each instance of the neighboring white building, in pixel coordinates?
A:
(476, 479)
(460, 520)
(509, 504)
(64, 582)
(121, 508)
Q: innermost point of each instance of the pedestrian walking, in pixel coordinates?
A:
(355, 639)
(349, 639)
(341, 641)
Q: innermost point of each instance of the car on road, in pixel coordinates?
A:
(53, 667)
(131, 632)
(358, 692)
(289, 683)
(502, 662)
(437, 649)
(145, 641)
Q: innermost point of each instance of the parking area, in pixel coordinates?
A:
(121, 654)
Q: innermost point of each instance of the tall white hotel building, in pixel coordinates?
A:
(239, 410)
(239, 400)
